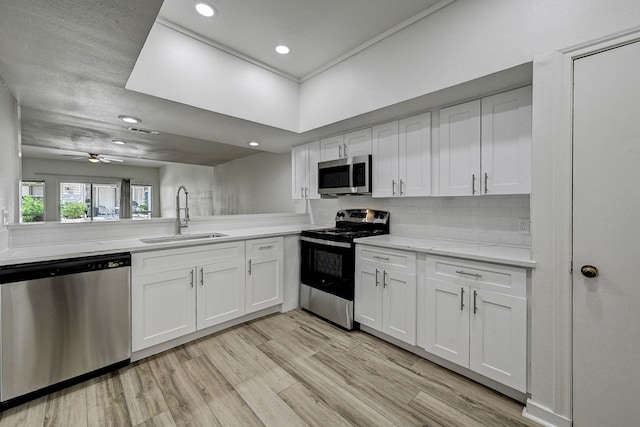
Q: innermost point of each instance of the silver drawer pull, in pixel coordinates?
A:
(263, 248)
(468, 274)
(381, 258)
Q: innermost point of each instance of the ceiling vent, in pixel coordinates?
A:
(144, 131)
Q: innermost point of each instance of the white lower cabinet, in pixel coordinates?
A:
(476, 317)
(175, 292)
(385, 291)
(264, 276)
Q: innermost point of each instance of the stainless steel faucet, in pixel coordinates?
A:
(179, 224)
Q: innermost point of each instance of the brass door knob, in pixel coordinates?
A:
(589, 271)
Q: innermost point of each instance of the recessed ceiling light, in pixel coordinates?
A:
(129, 119)
(205, 9)
(118, 141)
(282, 49)
(254, 143)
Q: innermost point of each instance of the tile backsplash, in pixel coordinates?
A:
(490, 219)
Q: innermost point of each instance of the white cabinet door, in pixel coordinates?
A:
(385, 159)
(304, 171)
(498, 337)
(332, 148)
(460, 149)
(163, 307)
(264, 274)
(447, 321)
(313, 150)
(399, 305)
(299, 171)
(415, 156)
(357, 143)
(221, 292)
(506, 142)
(368, 295)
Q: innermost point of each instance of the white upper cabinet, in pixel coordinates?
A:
(402, 157)
(506, 142)
(352, 144)
(385, 161)
(304, 171)
(414, 158)
(485, 145)
(460, 149)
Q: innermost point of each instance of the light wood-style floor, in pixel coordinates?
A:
(288, 369)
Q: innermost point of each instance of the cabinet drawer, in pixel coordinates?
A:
(492, 277)
(264, 247)
(390, 258)
(172, 259)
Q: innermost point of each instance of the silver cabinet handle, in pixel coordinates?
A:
(486, 176)
(461, 299)
(306, 192)
(345, 149)
(468, 274)
(475, 304)
(191, 278)
(473, 184)
(302, 192)
(393, 186)
(339, 150)
(381, 258)
(401, 187)
(384, 279)
(377, 278)
(249, 267)
(201, 276)
(264, 248)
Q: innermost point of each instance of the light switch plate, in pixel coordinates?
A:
(524, 226)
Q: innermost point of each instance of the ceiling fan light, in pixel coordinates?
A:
(93, 160)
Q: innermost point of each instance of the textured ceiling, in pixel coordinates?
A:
(67, 62)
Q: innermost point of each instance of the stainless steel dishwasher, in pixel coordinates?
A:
(62, 321)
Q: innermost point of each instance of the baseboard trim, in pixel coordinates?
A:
(544, 416)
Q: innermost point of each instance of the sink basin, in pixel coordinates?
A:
(181, 237)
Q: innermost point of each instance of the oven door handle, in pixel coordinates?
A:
(323, 242)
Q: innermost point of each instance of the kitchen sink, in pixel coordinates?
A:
(181, 237)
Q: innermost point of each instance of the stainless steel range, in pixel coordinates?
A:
(327, 273)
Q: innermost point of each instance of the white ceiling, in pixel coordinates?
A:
(67, 63)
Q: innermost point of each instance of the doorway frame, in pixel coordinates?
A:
(557, 409)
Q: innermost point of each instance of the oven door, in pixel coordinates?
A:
(328, 266)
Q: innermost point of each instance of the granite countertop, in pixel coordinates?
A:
(46, 252)
(502, 254)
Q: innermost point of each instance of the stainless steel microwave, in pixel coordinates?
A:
(351, 175)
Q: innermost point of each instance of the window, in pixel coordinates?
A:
(140, 201)
(81, 202)
(32, 201)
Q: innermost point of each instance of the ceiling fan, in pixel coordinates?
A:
(97, 158)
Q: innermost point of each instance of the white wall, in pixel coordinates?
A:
(256, 184)
(558, 26)
(465, 40)
(9, 159)
(197, 179)
(55, 171)
(206, 77)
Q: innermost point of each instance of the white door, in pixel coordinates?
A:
(221, 292)
(313, 149)
(506, 143)
(399, 305)
(415, 156)
(357, 143)
(606, 235)
(264, 283)
(447, 321)
(498, 337)
(460, 149)
(385, 159)
(332, 148)
(368, 296)
(299, 172)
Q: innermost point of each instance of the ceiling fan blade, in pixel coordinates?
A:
(103, 160)
(111, 159)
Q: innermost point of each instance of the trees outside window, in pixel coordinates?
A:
(32, 201)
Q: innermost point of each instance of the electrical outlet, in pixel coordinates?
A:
(524, 226)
